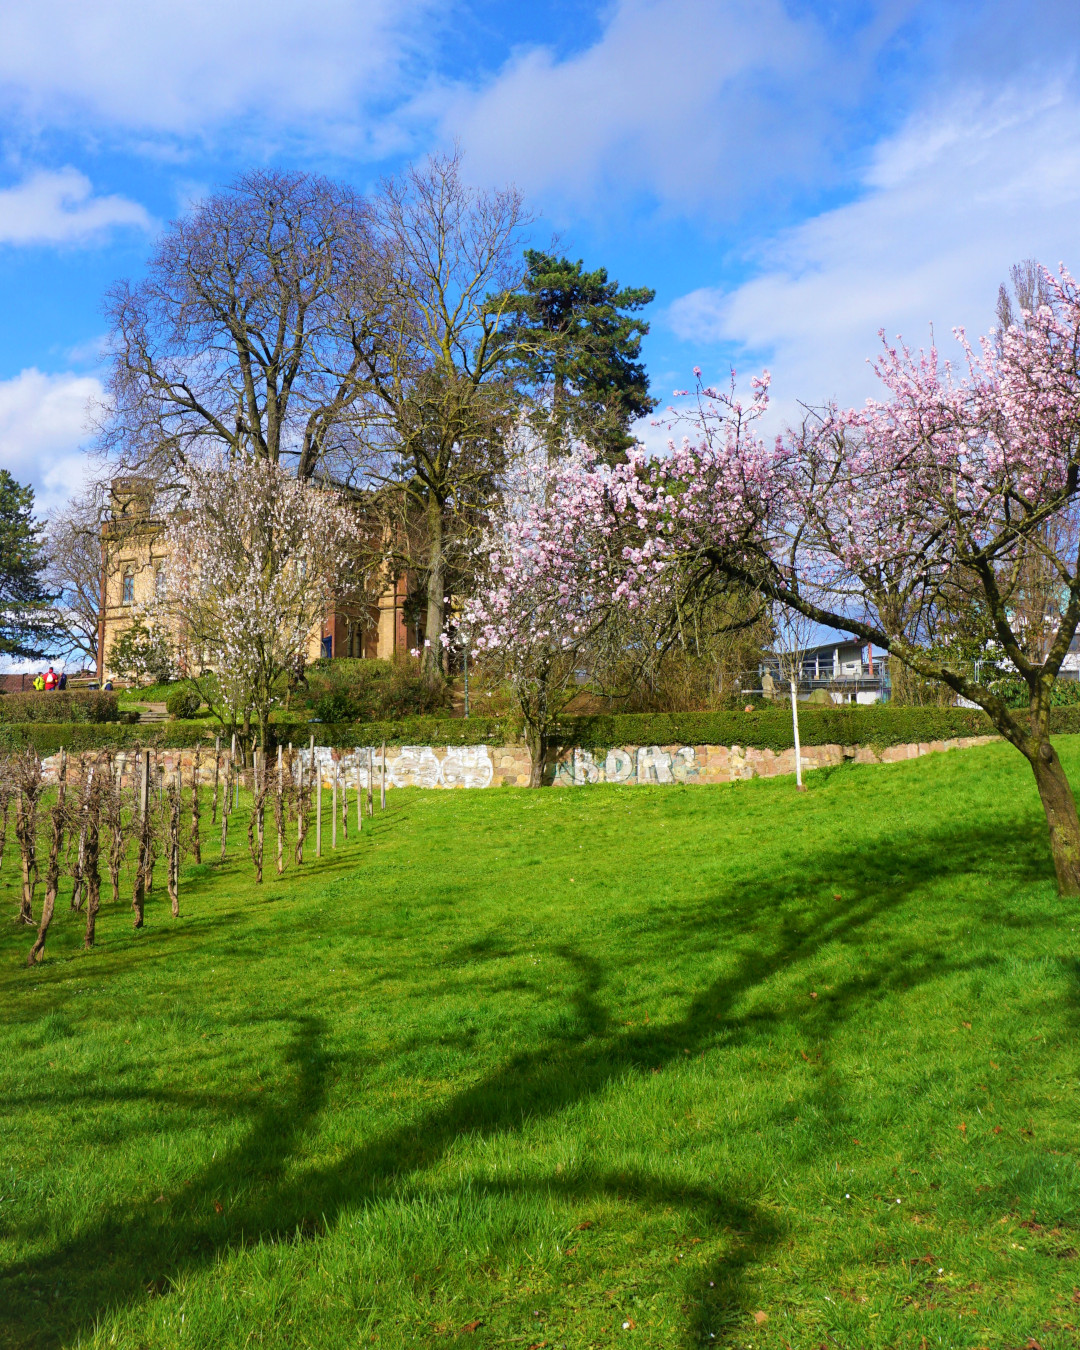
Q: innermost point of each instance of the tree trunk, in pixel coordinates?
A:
(52, 876)
(1059, 804)
(436, 583)
(93, 875)
(538, 751)
(196, 827)
(26, 829)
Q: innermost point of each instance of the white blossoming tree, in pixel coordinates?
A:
(254, 554)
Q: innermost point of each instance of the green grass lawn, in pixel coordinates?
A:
(613, 1066)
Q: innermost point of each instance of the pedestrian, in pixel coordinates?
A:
(39, 682)
(63, 680)
(50, 680)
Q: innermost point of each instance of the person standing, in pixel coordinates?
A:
(50, 680)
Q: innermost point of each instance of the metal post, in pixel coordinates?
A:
(318, 808)
(333, 814)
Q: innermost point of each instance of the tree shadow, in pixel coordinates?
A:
(260, 1190)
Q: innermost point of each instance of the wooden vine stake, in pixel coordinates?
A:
(196, 843)
(138, 898)
(93, 850)
(217, 772)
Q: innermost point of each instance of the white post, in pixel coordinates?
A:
(798, 747)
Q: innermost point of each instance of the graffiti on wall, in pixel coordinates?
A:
(645, 764)
(407, 766)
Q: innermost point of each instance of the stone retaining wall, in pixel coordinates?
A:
(479, 766)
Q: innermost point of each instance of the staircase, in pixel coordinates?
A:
(153, 712)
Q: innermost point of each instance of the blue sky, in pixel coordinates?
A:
(790, 177)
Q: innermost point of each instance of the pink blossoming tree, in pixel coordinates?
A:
(959, 481)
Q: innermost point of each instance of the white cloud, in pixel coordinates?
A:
(688, 103)
(43, 424)
(59, 207)
(193, 65)
(963, 191)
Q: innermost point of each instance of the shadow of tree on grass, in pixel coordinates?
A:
(266, 1189)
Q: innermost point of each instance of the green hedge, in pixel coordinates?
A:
(407, 731)
(770, 729)
(878, 725)
(66, 705)
(48, 737)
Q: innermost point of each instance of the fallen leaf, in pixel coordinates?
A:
(472, 1326)
(588, 1223)
(997, 1129)
(837, 897)
(855, 1141)
(813, 995)
(966, 1024)
(761, 1318)
(963, 1128)
(218, 1206)
(993, 1065)
(160, 1200)
(629, 1324)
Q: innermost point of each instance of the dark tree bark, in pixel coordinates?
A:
(196, 843)
(52, 872)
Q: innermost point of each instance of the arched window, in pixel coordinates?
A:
(127, 595)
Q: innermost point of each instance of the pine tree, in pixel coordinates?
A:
(27, 622)
(577, 345)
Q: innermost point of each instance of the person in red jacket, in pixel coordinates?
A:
(50, 679)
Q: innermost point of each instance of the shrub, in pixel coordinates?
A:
(68, 705)
(354, 690)
(1014, 693)
(183, 703)
(138, 653)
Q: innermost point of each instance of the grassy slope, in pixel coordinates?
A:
(554, 1062)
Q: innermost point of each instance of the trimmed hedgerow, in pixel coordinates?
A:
(60, 705)
(769, 729)
(49, 737)
(408, 731)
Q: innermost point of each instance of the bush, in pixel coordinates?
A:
(67, 705)
(183, 702)
(1014, 693)
(354, 690)
(138, 653)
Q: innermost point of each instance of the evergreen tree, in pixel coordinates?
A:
(577, 345)
(27, 621)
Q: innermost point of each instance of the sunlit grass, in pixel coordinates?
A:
(669, 1066)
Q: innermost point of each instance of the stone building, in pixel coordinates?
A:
(134, 561)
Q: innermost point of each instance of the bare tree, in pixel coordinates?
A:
(236, 339)
(75, 571)
(439, 402)
(29, 784)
